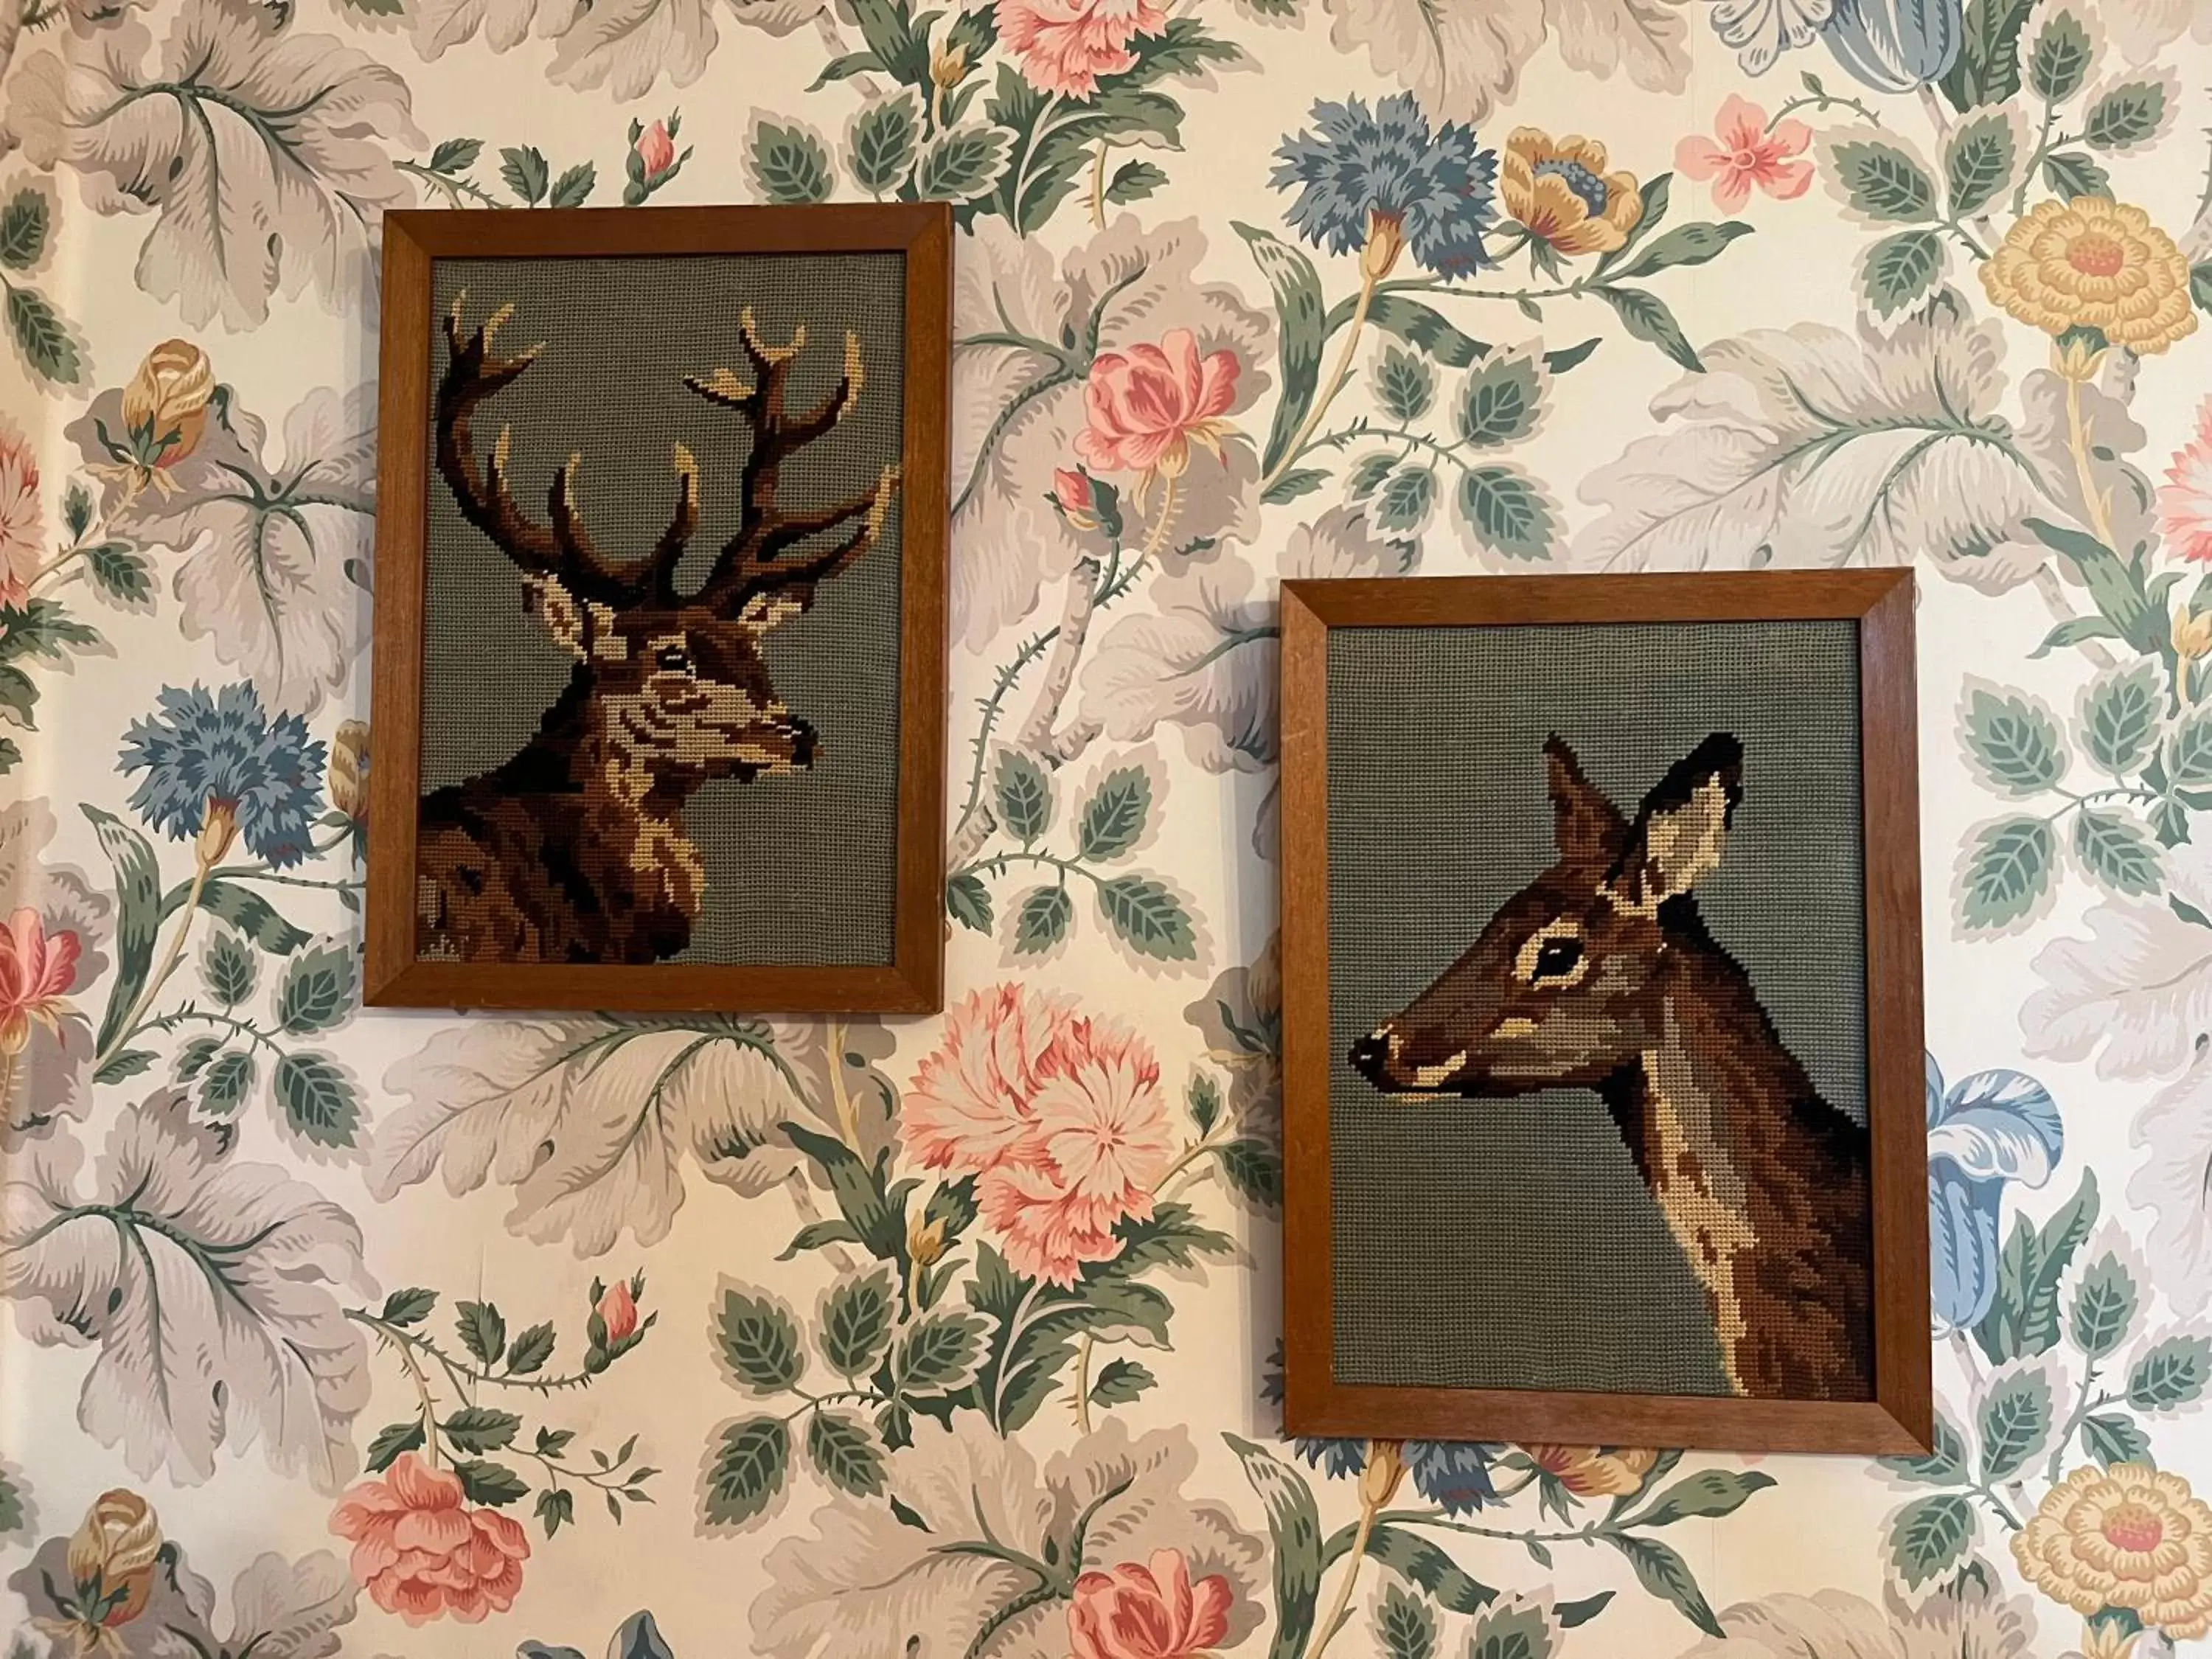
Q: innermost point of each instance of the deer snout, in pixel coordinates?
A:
(1371, 1057)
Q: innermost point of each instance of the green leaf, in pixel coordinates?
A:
(119, 573)
(2120, 718)
(1115, 817)
(1150, 918)
(2112, 1438)
(1405, 385)
(1692, 244)
(1884, 182)
(1024, 796)
(532, 1347)
(1132, 181)
(76, 509)
(968, 902)
(1407, 500)
(524, 169)
(2127, 116)
(19, 695)
(455, 155)
(1521, 1630)
(2106, 1301)
(962, 165)
(2116, 585)
(2170, 1374)
(2015, 1421)
(1978, 162)
(861, 1195)
(489, 1483)
(138, 900)
(123, 1065)
(1930, 1536)
(482, 1429)
(790, 167)
(2117, 851)
(2023, 1319)
(1289, 486)
(1404, 1626)
(43, 338)
(1042, 922)
(229, 968)
(1505, 511)
(1645, 316)
(1943, 1463)
(751, 1461)
(11, 755)
(317, 1098)
(1665, 1574)
(317, 991)
(574, 187)
(1299, 335)
(1417, 325)
(1900, 270)
(1500, 402)
(410, 1306)
(393, 1439)
(1204, 1098)
(939, 1354)
(1368, 472)
(2014, 741)
(2059, 59)
(858, 1317)
(2068, 173)
(226, 1083)
(1294, 1525)
(23, 227)
(1709, 1492)
(885, 138)
(1413, 1557)
(1572, 1615)
(1121, 1380)
(556, 1508)
(758, 1340)
(484, 1333)
(244, 909)
(2189, 755)
(847, 1453)
(1254, 1171)
(1987, 69)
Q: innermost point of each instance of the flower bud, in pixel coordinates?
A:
(656, 151)
(2078, 354)
(617, 1311)
(165, 405)
(217, 832)
(1071, 493)
(2192, 634)
(1386, 241)
(111, 1555)
(348, 772)
(925, 1241)
(948, 68)
(1385, 1468)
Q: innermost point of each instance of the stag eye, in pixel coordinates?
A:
(1557, 958)
(673, 659)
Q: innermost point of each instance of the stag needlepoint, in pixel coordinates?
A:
(1601, 974)
(575, 849)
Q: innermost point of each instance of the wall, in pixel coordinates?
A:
(1795, 299)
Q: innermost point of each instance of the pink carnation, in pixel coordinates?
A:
(22, 545)
(2184, 500)
(1061, 1115)
(1064, 45)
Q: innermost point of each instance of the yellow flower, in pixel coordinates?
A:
(1562, 192)
(2128, 1536)
(2192, 633)
(111, 1558)
(1379, 1477)
(1596, 1471)
(348, 772)
(165, 405)
(2108, 1642)
(2096, 264)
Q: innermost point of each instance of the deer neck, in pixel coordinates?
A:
(1716, 1116)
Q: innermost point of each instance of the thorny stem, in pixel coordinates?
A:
(237, 1028)
(2083, 1406)
(1337, 377)
(465, 1379)
(1083, 1383)
(456, 189)
(1325, 1632)
(1822, 103)
(2077, 440)
(1098, 184)
(8, 1062)
(849, 1119)
(1157, 539)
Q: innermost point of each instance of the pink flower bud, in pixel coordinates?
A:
(1072, 488)
(656, 151)
(617, 1311)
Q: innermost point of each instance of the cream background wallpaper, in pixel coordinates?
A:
(1020, 1387)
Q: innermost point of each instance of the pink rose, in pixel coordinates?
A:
(1746, 154)
(22, 543)
(421, 1553)
(617, 1311)
(656, 151)
(1147, 1612)
(37, 969)
(1061, 1115)
(1149, 404)
(1064, 45)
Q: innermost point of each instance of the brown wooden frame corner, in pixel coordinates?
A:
(912, 982)
(1900, 1417)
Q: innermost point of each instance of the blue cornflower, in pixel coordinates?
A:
(1381, 180)
(218, 766)
(1455, 1474)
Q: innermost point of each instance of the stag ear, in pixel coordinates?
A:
(1589, 827)
(1681, 828)
(584, 631)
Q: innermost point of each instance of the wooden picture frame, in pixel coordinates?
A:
(1894, 1414)
(753, 592)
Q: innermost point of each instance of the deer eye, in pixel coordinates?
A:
(1557, 958)
(674, 659)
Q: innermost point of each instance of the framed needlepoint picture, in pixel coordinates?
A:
(1604, 1118)
(660, 671)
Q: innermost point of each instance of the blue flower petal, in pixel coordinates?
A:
(1999, 1126)
(1962, 1246)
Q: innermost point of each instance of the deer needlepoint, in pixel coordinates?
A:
(575, 849)
(1599, 973)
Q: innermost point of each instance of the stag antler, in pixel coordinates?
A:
(565, 551)
(751, 579)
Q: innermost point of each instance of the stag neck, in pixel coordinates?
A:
(578, 749)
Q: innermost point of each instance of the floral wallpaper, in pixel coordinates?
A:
(333, 1332)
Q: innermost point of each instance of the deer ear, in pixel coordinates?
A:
(1587, 827)
(559, 614)
(1679, 832)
